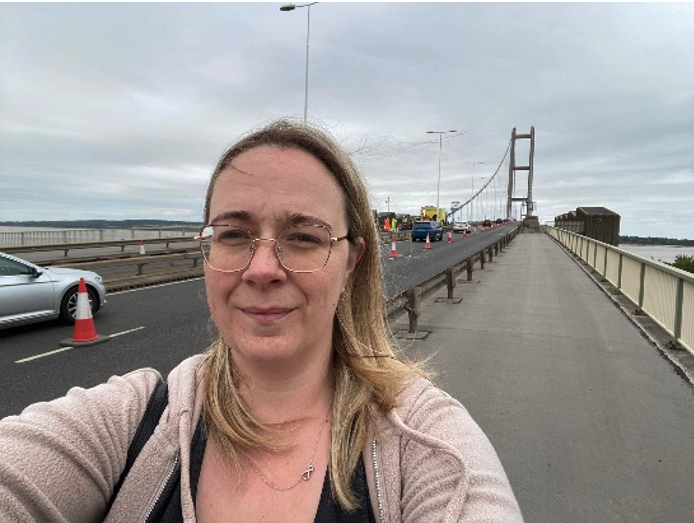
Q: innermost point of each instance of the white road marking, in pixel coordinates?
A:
(154, 286)
(30, 358)
(62, 349)
(126, 332)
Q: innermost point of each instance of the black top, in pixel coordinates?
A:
(168, 507)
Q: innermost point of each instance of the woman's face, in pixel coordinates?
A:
(271, 318)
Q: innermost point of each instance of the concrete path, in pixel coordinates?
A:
(591, 423)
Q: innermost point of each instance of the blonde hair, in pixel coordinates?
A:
(368, 367)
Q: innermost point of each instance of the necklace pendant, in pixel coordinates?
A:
(307, 473)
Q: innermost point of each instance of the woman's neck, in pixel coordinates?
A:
(278, 397)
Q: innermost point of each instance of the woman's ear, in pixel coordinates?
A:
(355, 254)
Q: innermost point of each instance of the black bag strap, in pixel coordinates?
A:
(155, 408)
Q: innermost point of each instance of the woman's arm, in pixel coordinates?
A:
(60, 460)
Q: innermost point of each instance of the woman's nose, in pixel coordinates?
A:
(265, 266)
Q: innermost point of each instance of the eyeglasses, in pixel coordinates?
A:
(299, 248)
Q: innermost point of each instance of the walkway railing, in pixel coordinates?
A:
(64, 236)
(662, 292)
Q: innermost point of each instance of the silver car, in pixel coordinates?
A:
(29, 293)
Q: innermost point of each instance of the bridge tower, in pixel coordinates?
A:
(527, 201)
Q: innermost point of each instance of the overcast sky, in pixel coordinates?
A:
(120, 111)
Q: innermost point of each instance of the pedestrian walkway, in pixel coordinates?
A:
(591, 423)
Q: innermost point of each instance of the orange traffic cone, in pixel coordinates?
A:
(393, 249)
(450, 237)
(427, 245)
(142, 248)
(464, 234)
(84, 332)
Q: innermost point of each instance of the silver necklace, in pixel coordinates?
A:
(305, 475)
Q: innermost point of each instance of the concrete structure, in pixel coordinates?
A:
(598, 223)
(527, 203)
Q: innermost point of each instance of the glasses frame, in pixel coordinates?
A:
(278, 251)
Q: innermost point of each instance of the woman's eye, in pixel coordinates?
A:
(304, 239)
(232, 237)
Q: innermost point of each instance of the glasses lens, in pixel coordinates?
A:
(226, 248)
(304, 248)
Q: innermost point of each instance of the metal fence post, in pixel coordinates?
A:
(482, 259)
(678, 309)
(469, 269)
(491, 254)
(450, 282)
(414, 300)
(642, 287)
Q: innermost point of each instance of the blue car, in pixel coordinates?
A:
(422, 228)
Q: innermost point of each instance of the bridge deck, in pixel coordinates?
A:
(590, 421)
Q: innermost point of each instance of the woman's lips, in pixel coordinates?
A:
(266, 315)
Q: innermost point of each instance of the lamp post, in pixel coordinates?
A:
(291, 7)
(438, 185)
(472, 214)
(483, 214)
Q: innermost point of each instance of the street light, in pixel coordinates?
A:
(472, 216)
(438, 185)
(291, 7)
(484, 203)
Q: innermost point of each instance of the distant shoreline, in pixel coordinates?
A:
(9, 226)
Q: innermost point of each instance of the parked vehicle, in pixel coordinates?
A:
(462, 227)
(420, 230)
(30, 293)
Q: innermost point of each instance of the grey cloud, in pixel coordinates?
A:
(133, 103)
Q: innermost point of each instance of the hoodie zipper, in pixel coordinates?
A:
(379, 494)
(161, 489)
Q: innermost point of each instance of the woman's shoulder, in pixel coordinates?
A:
(428, 411)
(447, 461)
(420, 398)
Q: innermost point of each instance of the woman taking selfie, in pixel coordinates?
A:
(301, 410)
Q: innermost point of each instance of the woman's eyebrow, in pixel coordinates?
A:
(297, 218)
(290, 218)
(232, 215)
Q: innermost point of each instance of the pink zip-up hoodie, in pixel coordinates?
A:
(426, 461)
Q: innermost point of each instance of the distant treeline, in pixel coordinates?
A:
(100, 224)
(654, 240)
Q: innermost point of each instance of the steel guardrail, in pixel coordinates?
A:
(66, 247)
